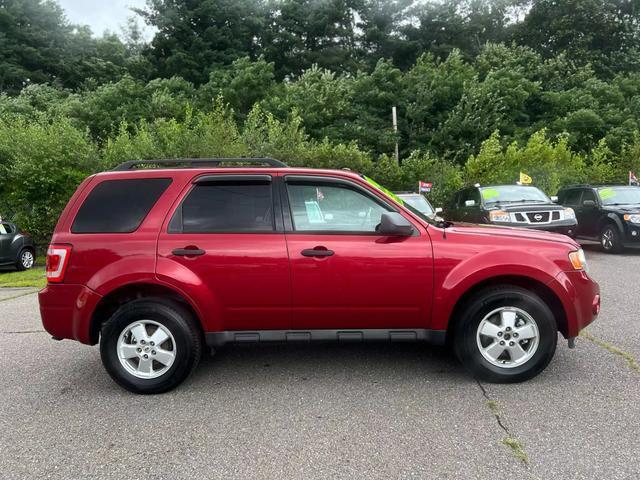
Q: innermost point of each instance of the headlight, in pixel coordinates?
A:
(634, 218)
(499, 216)
(578, 260)
(569, 214)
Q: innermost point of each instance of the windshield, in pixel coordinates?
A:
(619, 195)
(402, 202)
(513, 194)
(418, 202)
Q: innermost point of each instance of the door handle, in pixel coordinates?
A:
(317, 252)
(188, 252)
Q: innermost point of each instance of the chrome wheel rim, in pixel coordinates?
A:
(607, 239)
(146, 349)
(508, 337)
(27, 259)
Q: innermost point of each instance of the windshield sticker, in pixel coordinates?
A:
(384, 190)
(607, 193)
(489, 193)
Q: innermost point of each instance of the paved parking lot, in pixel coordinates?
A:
(328, 411)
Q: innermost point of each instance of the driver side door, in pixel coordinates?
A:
(344, 275)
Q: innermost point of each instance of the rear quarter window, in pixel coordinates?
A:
(118, 206)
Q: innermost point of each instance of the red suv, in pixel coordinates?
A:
(157, 263)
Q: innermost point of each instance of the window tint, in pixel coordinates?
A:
(333, 208)
(588, 195)
(471, 194)
(118, 206)
(226, 207)
(572, 197)
(5, 228)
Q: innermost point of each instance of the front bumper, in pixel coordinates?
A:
(565, 227)
(66, 311)
(580, 297)
(632, 234)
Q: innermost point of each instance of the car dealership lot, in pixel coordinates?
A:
(327, 411)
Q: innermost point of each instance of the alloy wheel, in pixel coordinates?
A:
(508, 337)
(146, 349)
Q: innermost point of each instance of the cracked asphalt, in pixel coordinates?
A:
(326, 411)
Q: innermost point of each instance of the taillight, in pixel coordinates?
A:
(57, 261)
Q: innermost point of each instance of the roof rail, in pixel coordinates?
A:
(198, 162)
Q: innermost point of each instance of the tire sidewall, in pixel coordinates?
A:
(467, 346)
(187, 352)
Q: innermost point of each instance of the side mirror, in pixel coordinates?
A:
(438, 210)
(589, 203)
(470, 203)
(392, 223)
(554, 198)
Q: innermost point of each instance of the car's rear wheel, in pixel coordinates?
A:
(611, 239)
(506, 335)
(26, 259)
(150, 345)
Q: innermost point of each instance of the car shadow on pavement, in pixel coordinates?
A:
(371, 362)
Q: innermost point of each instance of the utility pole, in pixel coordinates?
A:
(394, 116)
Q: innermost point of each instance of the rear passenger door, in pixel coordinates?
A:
(224, 242)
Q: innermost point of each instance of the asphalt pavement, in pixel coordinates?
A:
(328, 411)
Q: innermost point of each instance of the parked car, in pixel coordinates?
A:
(609, 214)
(512, 206)
(16, 247)
(420, 203)
(156, 264)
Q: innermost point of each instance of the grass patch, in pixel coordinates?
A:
(517, 448)
(631, 361)
(494, 407)
(29, 278)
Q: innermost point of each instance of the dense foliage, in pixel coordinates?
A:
(483, 89)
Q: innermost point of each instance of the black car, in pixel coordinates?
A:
(607, 213)
(16, 247)
(512, 206)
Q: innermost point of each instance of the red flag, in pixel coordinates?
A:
(424, 187)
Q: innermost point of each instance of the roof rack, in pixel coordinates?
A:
(198, 162)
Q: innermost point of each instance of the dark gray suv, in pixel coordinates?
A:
(16, 247)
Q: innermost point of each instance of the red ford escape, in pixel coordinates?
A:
(159, 262)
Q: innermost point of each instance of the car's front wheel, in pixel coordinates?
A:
(506, 335)
(150, 345)
(611, 239)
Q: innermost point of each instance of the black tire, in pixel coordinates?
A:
(174, 318)
(22, 263)
(466, 331)
(611, 239)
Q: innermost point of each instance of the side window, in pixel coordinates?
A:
(471, 194)
(226, 207)
(118, 206)
(328, 207)
(572, 197)
(589, 195)
(4, 228)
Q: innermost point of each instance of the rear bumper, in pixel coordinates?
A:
(580, 296)
(66, 311)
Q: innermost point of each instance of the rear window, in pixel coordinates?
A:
(226, 207)
(118, 206)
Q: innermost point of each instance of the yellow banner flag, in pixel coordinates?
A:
(525, 179)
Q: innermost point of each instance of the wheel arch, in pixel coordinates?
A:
(110, 302)
(528, 283)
